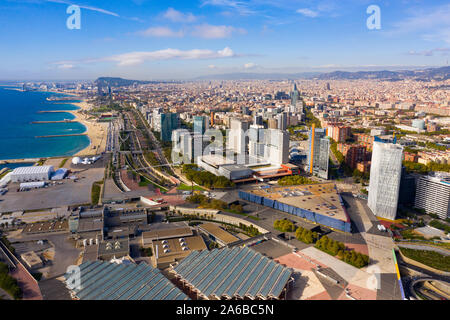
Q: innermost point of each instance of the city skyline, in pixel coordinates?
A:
(145, 40)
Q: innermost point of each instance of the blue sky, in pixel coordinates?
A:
(154, 39)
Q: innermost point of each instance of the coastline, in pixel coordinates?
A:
(96, 131)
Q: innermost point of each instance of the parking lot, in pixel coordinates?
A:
(66, 194)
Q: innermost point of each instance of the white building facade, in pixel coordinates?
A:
(385, 175)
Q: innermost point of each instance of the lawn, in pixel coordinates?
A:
(429, 258)
(185, 187)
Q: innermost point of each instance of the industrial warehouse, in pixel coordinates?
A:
(318, 203)
(36, 173)
(111, 281)
(237, 273)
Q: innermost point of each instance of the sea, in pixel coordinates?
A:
(18, 136)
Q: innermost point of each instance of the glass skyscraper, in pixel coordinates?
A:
(169, 122)
(318, 153)
(295, 96)
(201, 124)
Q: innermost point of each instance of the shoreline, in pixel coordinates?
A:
(96, 131)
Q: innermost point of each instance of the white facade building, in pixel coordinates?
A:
(276, 146)
(237, 136)
(385, 175)
(433, 195)
(36, 173)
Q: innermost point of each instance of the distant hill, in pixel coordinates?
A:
(442, 73)
(259, 76)
(117, 82)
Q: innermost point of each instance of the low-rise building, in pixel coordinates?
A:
(217, 234)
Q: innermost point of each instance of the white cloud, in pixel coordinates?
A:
(211, 66)
(177, 16)
(139, 57)
(308, 13)
(208, 31)
(161, 32)
(66, 66)
(429, 53)
(241, 7)
(250, 65)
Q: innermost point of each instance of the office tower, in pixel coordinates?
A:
(276, 149)
(180, 146)
(169, 122)
(212, 119)
(188, 146)
(407, 193)
(258, 120)
(237, 139)
(295, 96)
(201, 124)
(282, 119)
(318, 153)
(433, 194)
(256, 144)
(328, 86)
(385, 176)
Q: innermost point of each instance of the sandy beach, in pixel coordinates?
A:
(96, 131)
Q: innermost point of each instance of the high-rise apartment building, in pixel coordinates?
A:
(353, 154)
(339, 133)
(433, 195)
(272, 123)
(385, 176)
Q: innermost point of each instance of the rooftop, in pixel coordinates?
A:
(218, 232)
(111, 281)
(33, 169)
(174, 249)
(319, 198)
(167, 233)
(237, 272)
(42, 227)
(216, 160)
(117, 248)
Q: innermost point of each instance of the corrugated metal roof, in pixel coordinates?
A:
(236, 272)
(111, 281)
(32, 170)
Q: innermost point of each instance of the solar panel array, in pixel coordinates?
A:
(110, 281)
(234, 273)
